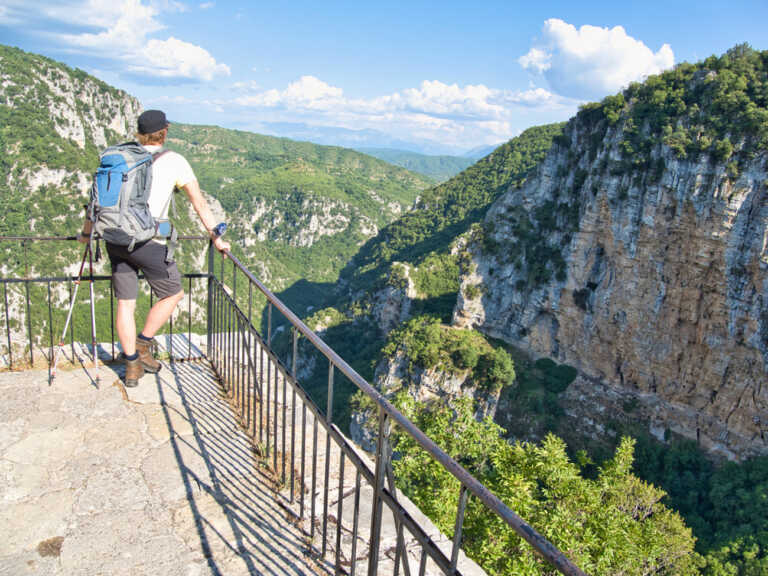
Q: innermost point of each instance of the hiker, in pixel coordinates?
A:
(153, 256)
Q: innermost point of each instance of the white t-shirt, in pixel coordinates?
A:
(169, 171)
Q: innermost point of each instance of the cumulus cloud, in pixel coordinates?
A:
(125, 31)
(591, 62)
(433, 110)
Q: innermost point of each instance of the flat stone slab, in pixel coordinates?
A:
(158, 479)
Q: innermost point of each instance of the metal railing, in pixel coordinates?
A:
(29, 340)
(251, 372)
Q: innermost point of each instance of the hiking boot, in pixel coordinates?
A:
(144, 348)
(133, 372)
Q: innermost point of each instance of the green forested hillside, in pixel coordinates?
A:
(421, 238)
(301, 209)
(439, 168)
(296, 210)
(446, 211)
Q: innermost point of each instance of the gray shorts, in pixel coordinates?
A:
(149, 257)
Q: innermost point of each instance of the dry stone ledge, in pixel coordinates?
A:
(159, 479)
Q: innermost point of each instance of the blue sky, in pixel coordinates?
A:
(444, 76)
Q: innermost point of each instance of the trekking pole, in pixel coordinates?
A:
(93, 310)
(69, 315)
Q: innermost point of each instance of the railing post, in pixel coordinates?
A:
(382, 454)
(329, 421)
(209, 315)
(458, 527)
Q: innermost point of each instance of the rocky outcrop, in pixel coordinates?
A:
(425, 386)
(391, 305)
(654, 285)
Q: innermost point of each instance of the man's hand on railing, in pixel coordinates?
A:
(222, 246)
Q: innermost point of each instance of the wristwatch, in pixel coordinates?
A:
(219, 230)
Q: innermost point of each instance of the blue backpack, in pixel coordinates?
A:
(119, 205)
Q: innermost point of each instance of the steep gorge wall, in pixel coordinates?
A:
(652, 282)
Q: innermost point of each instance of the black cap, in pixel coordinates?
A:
(152, 121)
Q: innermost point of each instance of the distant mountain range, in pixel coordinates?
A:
(439, 168)
(367, 138)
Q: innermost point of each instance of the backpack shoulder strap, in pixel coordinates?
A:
(159, 153)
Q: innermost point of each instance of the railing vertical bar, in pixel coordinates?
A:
(355, 523)
(209, 317)
(314, 480)
(401, 552)
(26, 290)
(339, 513)
(224, 336)
(252, 363)
(220, 330)
(229, 347)
(268, 383)
(189, 318)
(423, 562)
(285, 420)
(328, 419)
(170, 341)
(50, 330)
(214, 324)
(112, 318)
(8, 325)
(235, 351)
(303, 455)
(243, 368)
(293, 407)
(251, 368)
(241, 354)
(29, 324)
(275, 416)
(269, 324)
(71, 324)
(381, 453)
(261, 393)
(458, 526)
(398, 546)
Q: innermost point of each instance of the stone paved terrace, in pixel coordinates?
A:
(160, 480)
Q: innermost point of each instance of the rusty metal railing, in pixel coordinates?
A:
(247, 364)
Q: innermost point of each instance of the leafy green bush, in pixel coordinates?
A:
(429, 344)
(614, 523)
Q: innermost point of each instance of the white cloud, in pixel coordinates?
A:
(433, 110)
(125, 31)
(591, 62)
(174, 58)
(207, 5)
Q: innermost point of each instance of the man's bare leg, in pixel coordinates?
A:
(126, 325)
(159, 314)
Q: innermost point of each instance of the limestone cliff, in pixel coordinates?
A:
(637, 253)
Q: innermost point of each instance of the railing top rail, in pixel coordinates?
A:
(51, 238)
(522, 528)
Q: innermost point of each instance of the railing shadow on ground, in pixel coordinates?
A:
(231, 477)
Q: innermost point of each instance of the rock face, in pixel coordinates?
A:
(70, 108)
(655, 286)
(425, 385)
